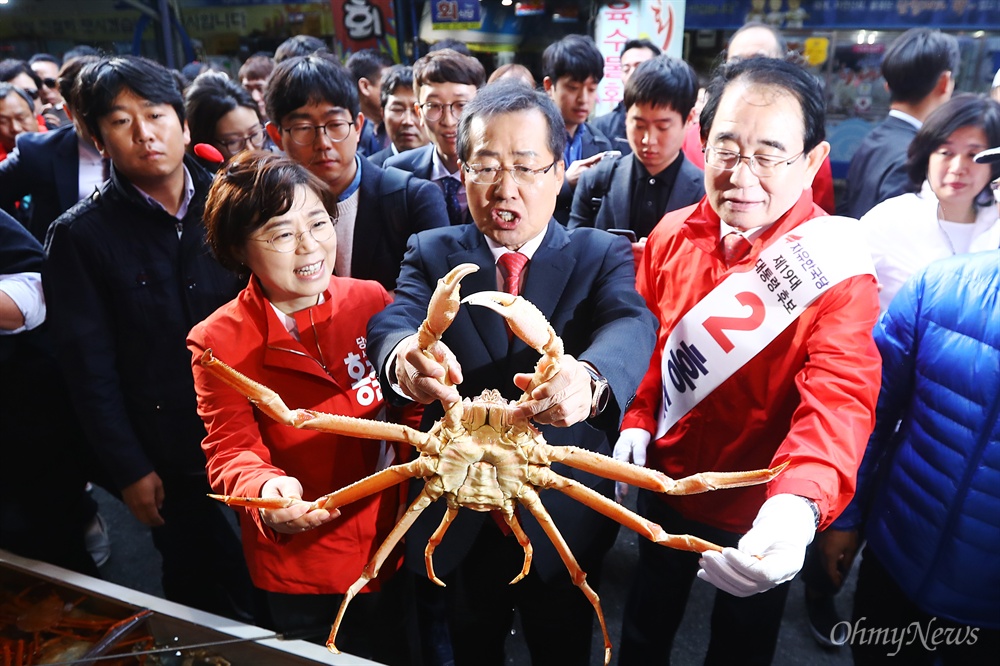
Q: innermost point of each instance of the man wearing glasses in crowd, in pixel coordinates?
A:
(316, 119)
(511, 141)
(444, 82)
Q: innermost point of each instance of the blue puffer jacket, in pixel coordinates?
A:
(928, 497)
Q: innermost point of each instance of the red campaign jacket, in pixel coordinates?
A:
(245, 448)
(807, 398)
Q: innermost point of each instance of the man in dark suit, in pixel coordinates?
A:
(634, 191)
(511, 143)
(367, 67)
(612, 124)
(399, 114)
(56, 168)
(919, 69)
(573, 67)
(315, 118)
(444, 82)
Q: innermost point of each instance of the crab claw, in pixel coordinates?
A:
(529, 324)
(443, 306)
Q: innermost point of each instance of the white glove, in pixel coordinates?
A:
(630, 447)
(771, 553)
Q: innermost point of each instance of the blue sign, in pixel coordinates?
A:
(455, 14)
(830, 14)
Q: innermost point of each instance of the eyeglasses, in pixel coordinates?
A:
(761, 166)
(433, 111)
(398, 111)
(50, 83)
(489, 174)
(995, 186)
(304, 135)
(32, 92)
(255, 138)
(287, 241)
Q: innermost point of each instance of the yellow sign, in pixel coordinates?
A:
(816, 50)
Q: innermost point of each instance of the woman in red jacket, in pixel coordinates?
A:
(300, 330)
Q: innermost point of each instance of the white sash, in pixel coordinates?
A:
(746, 311)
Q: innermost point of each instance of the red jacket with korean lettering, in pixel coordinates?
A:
(808, 397)
(245, 448)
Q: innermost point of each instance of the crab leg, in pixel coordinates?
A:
(371, 570)
(435, 541)
(546, 478)
(529, 324)
(530, 500)
(650, 479)
(522, 539)
(375, 483)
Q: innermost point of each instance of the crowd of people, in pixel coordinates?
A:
(716, 316)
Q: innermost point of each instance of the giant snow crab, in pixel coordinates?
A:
(482, 455)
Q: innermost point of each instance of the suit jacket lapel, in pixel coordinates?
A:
(368, 223)
(66, 169)
(686, 185)
(548, 273)
(620, 197)
(488, 324)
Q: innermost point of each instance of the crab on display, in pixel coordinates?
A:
(483, 454)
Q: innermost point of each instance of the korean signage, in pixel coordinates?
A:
(659, 21)
(455, 14)
(363, 24)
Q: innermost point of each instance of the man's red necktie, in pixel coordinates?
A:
(735, 246)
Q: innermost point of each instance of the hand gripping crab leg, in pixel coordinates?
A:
(530, 325)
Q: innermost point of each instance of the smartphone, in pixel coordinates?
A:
(611, 153)
(627, 233)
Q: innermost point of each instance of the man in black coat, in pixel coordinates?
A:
(511, 143)
(635, 191)
(315, 118)
(127, 276)
(920, 69)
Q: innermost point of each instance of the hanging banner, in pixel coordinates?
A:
(365, 24)
(659, 21)
(455, 14)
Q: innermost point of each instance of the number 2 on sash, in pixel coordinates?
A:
(716, 325)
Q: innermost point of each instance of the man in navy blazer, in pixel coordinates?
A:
(315, 118)
(511, 143)
(47, 165)
(444, 81)
(919, 67)
(634, 191)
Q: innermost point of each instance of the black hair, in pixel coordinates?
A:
(663, 81)
(449, 43)
(44, 57)
(448, 66)
(257, 66)
(397, 76)
(11, 67)
(640, 44)
(367, 64)
(211, 96)
(302, 80)
(575, 56)
(511, 96)
(915, 61)
(778, 73)
(7, 88)
(299, 45)
(69, 74)
(100, 83)
(80, 50)
(964, 110)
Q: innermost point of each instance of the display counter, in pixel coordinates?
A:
(58, 615)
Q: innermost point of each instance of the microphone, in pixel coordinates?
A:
(209, 153)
